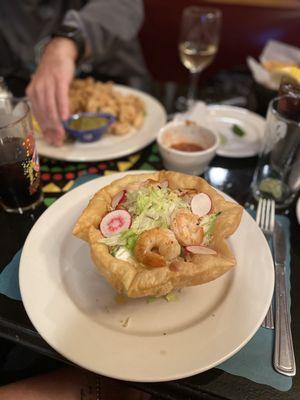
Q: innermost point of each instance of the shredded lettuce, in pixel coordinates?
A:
(113, 241)
(121, 252)
(208, 223)
(127, 239)
(151, 207)
(130, 237)
(171, 297)
(114, 250)
(152, 299)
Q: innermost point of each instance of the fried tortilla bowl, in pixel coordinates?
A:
(138, 280)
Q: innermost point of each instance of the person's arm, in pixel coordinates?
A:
(70, 384)
(104, 24)
(48, 90)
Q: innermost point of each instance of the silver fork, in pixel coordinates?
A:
(265, 218)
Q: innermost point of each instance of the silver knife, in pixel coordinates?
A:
(284, 358)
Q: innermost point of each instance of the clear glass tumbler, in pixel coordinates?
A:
(277, 174)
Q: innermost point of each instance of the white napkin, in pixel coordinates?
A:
(197, 114)
(273, 50)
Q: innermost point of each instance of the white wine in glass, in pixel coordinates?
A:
(198, 43)
(194, 57)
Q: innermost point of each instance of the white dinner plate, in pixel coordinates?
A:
(222, 119)
(76, 312)
(109, 146)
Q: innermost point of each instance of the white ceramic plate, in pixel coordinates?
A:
(298, 210)
(75, 311)
(223, 118)
(110, 147)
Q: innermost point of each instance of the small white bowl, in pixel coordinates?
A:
(189, 162)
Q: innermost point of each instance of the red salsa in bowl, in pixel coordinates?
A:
(186, 146)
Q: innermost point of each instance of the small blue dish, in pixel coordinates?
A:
(88, 135)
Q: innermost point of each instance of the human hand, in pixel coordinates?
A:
(48, 90)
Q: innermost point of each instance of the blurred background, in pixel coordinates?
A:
(247, 26)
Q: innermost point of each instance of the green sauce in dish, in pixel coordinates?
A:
(87, 123)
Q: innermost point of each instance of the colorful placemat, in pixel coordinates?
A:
(58, 177)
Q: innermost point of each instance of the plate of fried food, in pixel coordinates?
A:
(149, 278)
(138, 118)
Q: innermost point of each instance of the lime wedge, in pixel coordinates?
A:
(272, 186)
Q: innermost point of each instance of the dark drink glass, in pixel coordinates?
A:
(289, 92)
(19, 163)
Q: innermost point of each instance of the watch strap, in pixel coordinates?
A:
(75, 35)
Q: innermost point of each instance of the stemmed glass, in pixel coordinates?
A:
(198, 44)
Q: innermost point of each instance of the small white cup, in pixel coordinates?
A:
(195, 162)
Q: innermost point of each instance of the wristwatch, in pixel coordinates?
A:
(74, 34)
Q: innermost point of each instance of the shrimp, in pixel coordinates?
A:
(186, 227)
(157, 246)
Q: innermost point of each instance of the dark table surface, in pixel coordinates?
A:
(237, 173)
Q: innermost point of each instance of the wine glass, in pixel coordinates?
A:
(198, 44)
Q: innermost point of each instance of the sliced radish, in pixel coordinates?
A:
(118, 199)
(200, 250)
(115, 222)
(201, 204)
